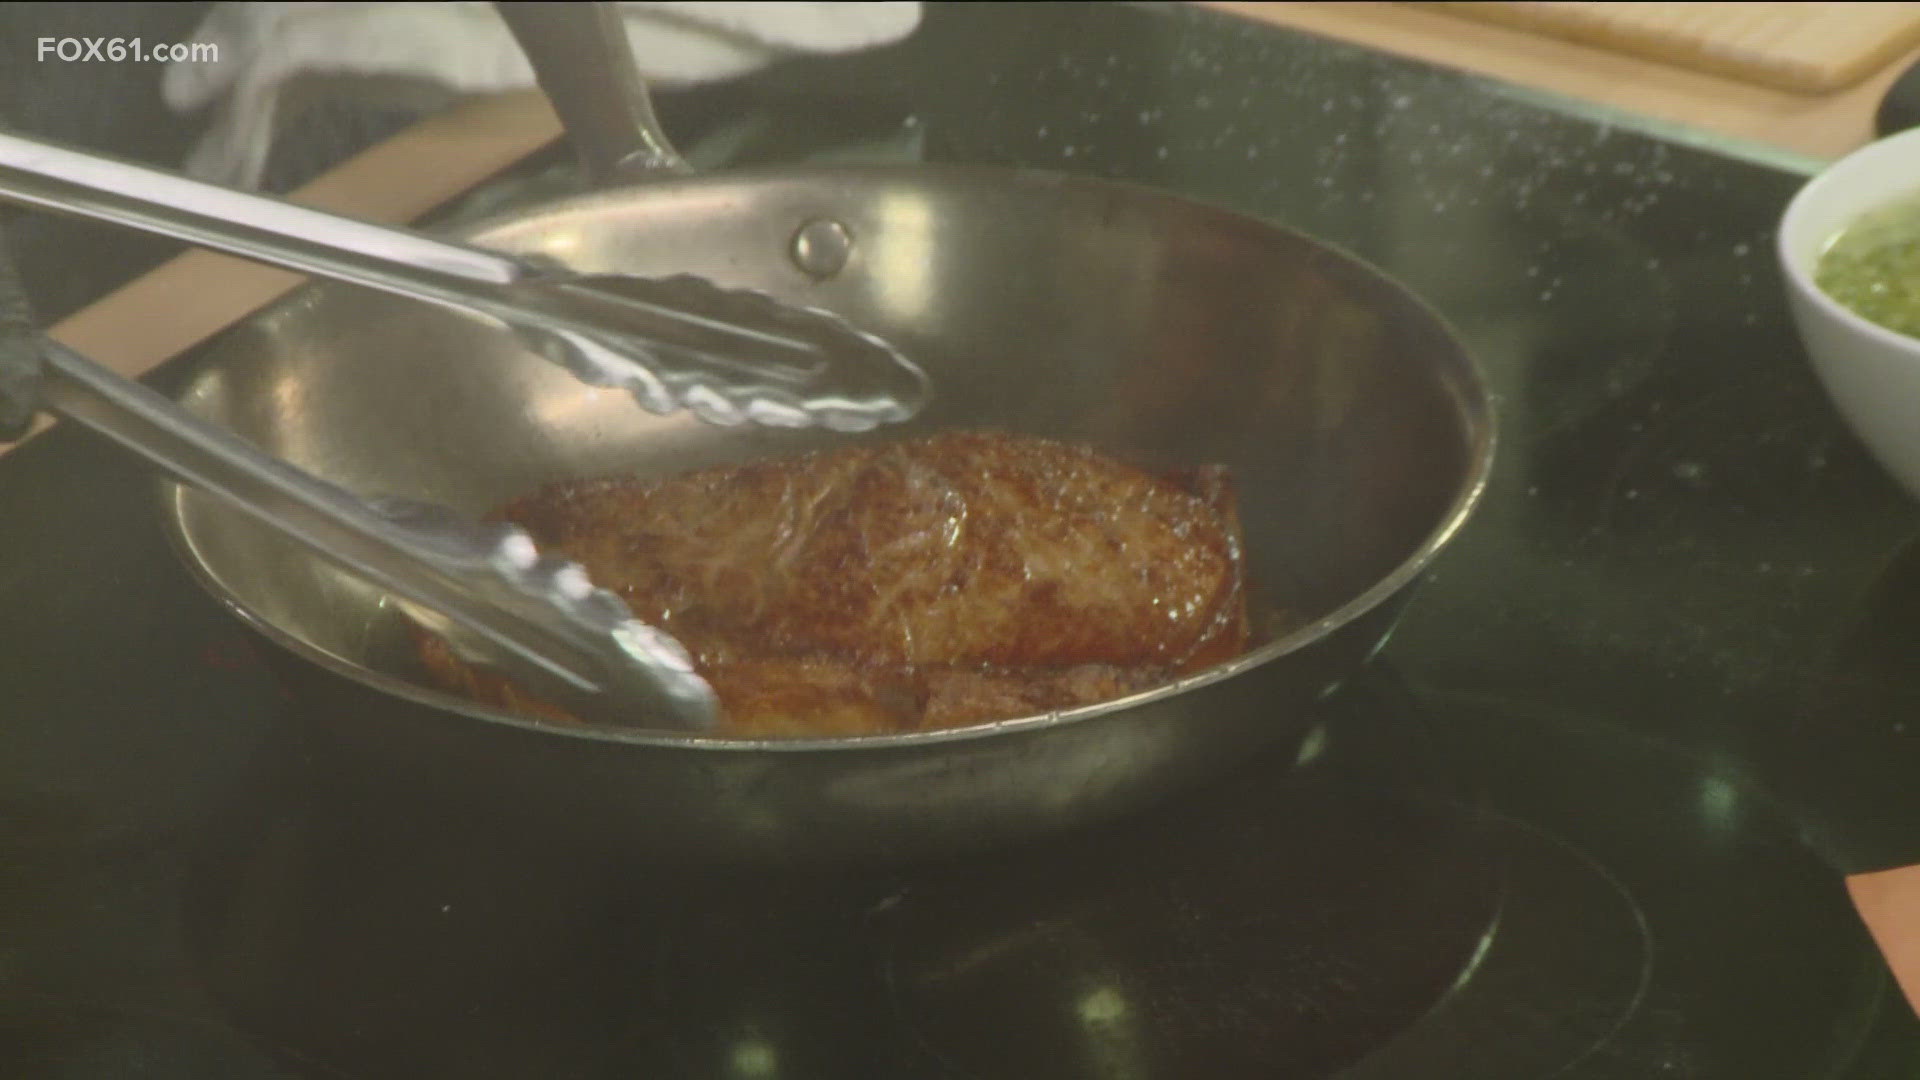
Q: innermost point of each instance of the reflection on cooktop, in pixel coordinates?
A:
(1567, 965)
(1641, 933)
(1283, 930)
(1289, 920)
(1371, 914)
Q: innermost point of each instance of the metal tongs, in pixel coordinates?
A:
(538, 618)
(728, 355)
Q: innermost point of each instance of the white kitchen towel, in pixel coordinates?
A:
(272, 56)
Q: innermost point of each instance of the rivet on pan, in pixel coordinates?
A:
(821, 247)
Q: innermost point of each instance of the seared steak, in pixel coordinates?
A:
(958, 578)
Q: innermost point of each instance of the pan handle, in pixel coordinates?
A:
(580, 55)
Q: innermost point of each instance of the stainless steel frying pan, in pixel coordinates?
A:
(1166, 332)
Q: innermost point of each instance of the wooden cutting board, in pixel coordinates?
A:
(1809, 48)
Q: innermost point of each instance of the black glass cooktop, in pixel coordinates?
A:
(1586, 817)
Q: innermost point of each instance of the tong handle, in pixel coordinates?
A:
(515, 290)
(729, 355)
(576, 643)
(68, 181)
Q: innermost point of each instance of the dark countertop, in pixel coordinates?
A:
(1670, 649)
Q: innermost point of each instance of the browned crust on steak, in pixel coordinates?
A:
(953, 579)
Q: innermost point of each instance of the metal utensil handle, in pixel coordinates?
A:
(391, 260)
(259, 227)
(443, 566)
(582, 59)
(322, 516)
(541, 615)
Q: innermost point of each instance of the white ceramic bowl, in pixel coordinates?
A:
(1872, 373)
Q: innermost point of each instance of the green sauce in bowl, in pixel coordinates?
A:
(1873, 267)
